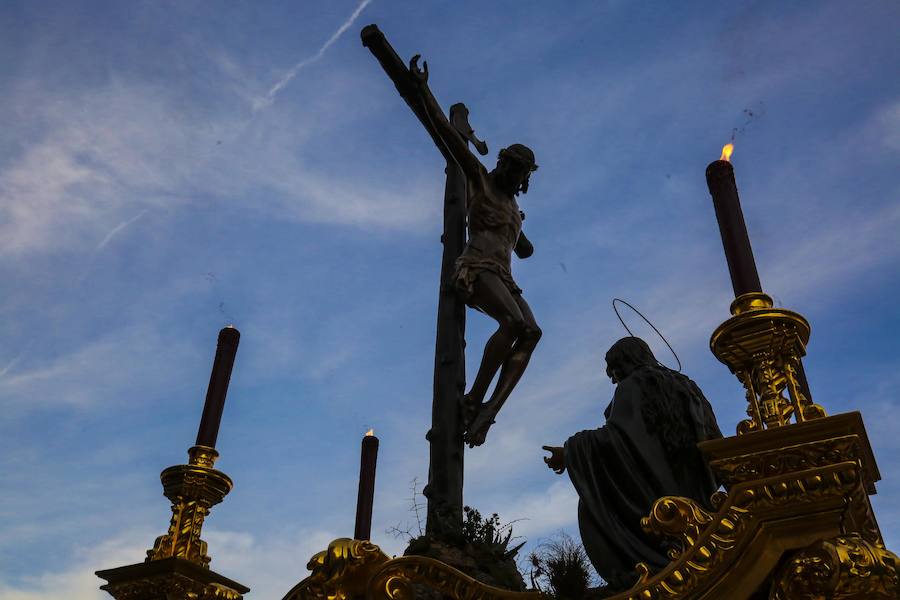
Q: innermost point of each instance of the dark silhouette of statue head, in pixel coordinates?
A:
(515, 164)
(626, 355)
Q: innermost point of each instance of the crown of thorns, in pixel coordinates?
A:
(520, 153)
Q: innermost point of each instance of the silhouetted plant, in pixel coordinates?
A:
(487, 532)
(416, 506)
(560, 567)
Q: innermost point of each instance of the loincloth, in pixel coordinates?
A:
(467, 269)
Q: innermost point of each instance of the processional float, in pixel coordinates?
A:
(793, 522)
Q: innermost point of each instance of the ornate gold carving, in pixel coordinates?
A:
(860, 518)
(711, 546)
(355, 569)
(202, 456)
(803, 406)
(193, 489)
(704, 541)
(684, 519)
(787, 459)
(802, 446)
(763, 346)
(174, 587)
(172, 579)
(395, 580)
(842, 568)
(341, 572)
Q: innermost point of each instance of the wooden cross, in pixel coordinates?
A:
(444, 491)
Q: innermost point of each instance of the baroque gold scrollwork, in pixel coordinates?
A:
(680, 518)
(218, 592)
(396, 580)
(703, 540)
(341, 572)
(171, 586)
(841, 568)
(710, 546)
(807, 408)
(754, 423)
(355, 569)
(788, 459)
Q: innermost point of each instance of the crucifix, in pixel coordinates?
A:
(475, 273)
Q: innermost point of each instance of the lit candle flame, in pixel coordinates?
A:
(370, 433)
(726, 152)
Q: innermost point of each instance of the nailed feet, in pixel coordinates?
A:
(478, 418)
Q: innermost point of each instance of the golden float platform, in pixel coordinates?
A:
(794, 521)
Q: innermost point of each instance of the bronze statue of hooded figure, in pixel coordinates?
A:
(647, 449)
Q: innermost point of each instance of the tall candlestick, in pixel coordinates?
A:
(229, 337)
(738, 253)
(366, 496)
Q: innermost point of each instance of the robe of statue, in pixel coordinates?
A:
(646, 450)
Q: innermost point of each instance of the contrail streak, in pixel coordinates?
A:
(270, 95)
(10, 365)
(117, 229)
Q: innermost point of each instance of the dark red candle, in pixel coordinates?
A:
(738, 253)
(366, 496)
(229, 337)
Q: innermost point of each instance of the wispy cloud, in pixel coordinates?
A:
(283, 556)
(77, 581)
(34, 190)
(107, 156)
(544, 510)
(95, 373)
(239, 554)
(117, 230)
(266, 100)
(889, 124)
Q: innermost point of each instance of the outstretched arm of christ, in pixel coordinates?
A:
(453, 141)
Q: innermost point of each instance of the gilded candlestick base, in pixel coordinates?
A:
(177, 568)
(193, 489)
(763, 347)
(169, 579)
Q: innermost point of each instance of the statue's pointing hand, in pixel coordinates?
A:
(557, 458)
(419, 75)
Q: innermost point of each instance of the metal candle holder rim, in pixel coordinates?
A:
(652, 326)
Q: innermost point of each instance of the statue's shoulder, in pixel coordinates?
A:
(482, 178)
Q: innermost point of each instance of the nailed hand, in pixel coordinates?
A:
(419, 75)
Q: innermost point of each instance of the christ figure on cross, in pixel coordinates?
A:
(482, 274)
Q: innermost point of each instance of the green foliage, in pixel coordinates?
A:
(560, 567)
(479, 531)
(486, 540)
(481, 549)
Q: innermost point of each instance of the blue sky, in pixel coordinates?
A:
(167, 168)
